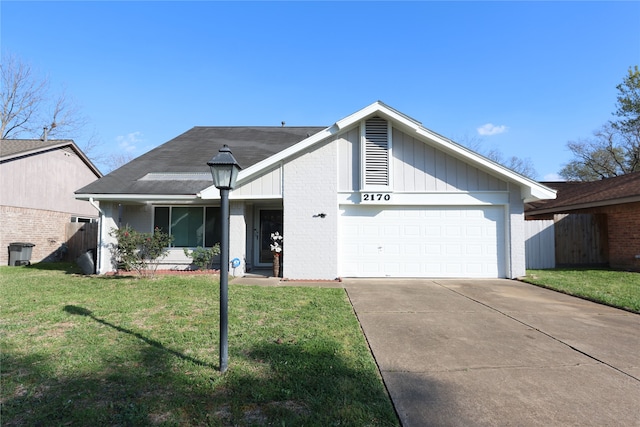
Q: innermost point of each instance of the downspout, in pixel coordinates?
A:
(100, 224)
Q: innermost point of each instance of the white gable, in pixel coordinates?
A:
(453, 167)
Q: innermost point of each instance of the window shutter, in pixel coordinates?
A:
(376, 152)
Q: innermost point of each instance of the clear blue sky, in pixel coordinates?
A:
(541, 73)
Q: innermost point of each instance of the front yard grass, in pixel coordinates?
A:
(87, 350)
(615, 288)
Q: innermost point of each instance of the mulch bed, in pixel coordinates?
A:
(165, 273)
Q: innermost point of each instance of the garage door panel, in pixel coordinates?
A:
(454, 270)
(371, 230)
(473, 231)
(433, 249)
(370, 249)
(474, 268)
(432, 231)
(453, 231)
(413, 248)
(422, 242)
(409, 230)
(373, 267)
(391, 250)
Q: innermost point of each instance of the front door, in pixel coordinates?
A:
(269, 221)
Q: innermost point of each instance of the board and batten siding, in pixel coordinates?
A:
(268, 184)
(418, 167)
(415, 167)
(349, 160)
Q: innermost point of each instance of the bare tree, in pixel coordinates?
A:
(28, 107)
(114, 161)
(610, 152)
(523, 166)
(614, 149)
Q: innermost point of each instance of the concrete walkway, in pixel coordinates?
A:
(499, 353)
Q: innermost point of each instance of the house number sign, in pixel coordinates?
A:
(375, 197)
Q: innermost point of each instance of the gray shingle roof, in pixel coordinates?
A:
(188, 154)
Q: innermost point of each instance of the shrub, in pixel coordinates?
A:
(140, 252)
(203, 257)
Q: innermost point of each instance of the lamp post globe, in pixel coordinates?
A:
(224, 169)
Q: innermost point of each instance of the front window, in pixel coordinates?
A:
(190, 226)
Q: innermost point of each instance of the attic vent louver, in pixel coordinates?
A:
(376, 152)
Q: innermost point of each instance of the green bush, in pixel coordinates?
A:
(203, 257)
(140, 252)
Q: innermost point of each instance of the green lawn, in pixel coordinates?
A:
(616, 288)
(79, 350)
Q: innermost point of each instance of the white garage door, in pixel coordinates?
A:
(406, 241)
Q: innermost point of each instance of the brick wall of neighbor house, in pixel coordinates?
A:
(310, 240)
(624, 236)
(45, 229)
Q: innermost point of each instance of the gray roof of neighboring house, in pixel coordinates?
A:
(186, 157)
(11, 149)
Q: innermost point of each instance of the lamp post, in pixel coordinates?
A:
(224, 170)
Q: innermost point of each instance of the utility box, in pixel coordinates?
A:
(85, 261)
(20, 253)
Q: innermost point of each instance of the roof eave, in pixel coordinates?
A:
(142, 198)
(245, 175)
(580, 206)
(533, 190)
(62, 144)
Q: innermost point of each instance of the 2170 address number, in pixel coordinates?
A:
(376, 197)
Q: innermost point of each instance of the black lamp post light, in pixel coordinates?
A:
(224, 170)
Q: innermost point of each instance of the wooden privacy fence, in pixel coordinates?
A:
(81, 237)
(569, 240)
(581, 239)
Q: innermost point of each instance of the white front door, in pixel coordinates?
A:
(410, 241)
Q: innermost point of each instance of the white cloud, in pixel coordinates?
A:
(551, 177)
(491, 129)
(128, 142)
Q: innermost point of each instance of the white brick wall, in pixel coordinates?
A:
(107, 224)
(517, 261)
(311, 242)
(237, 237)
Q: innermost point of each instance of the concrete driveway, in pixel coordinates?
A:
(499, 352)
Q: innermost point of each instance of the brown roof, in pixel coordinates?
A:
(12, 147)
(582, 195)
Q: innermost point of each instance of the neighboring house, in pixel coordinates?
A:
(596, 223)
(37, 181)
(373, 195)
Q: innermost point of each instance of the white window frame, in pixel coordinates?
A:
(204, 221)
